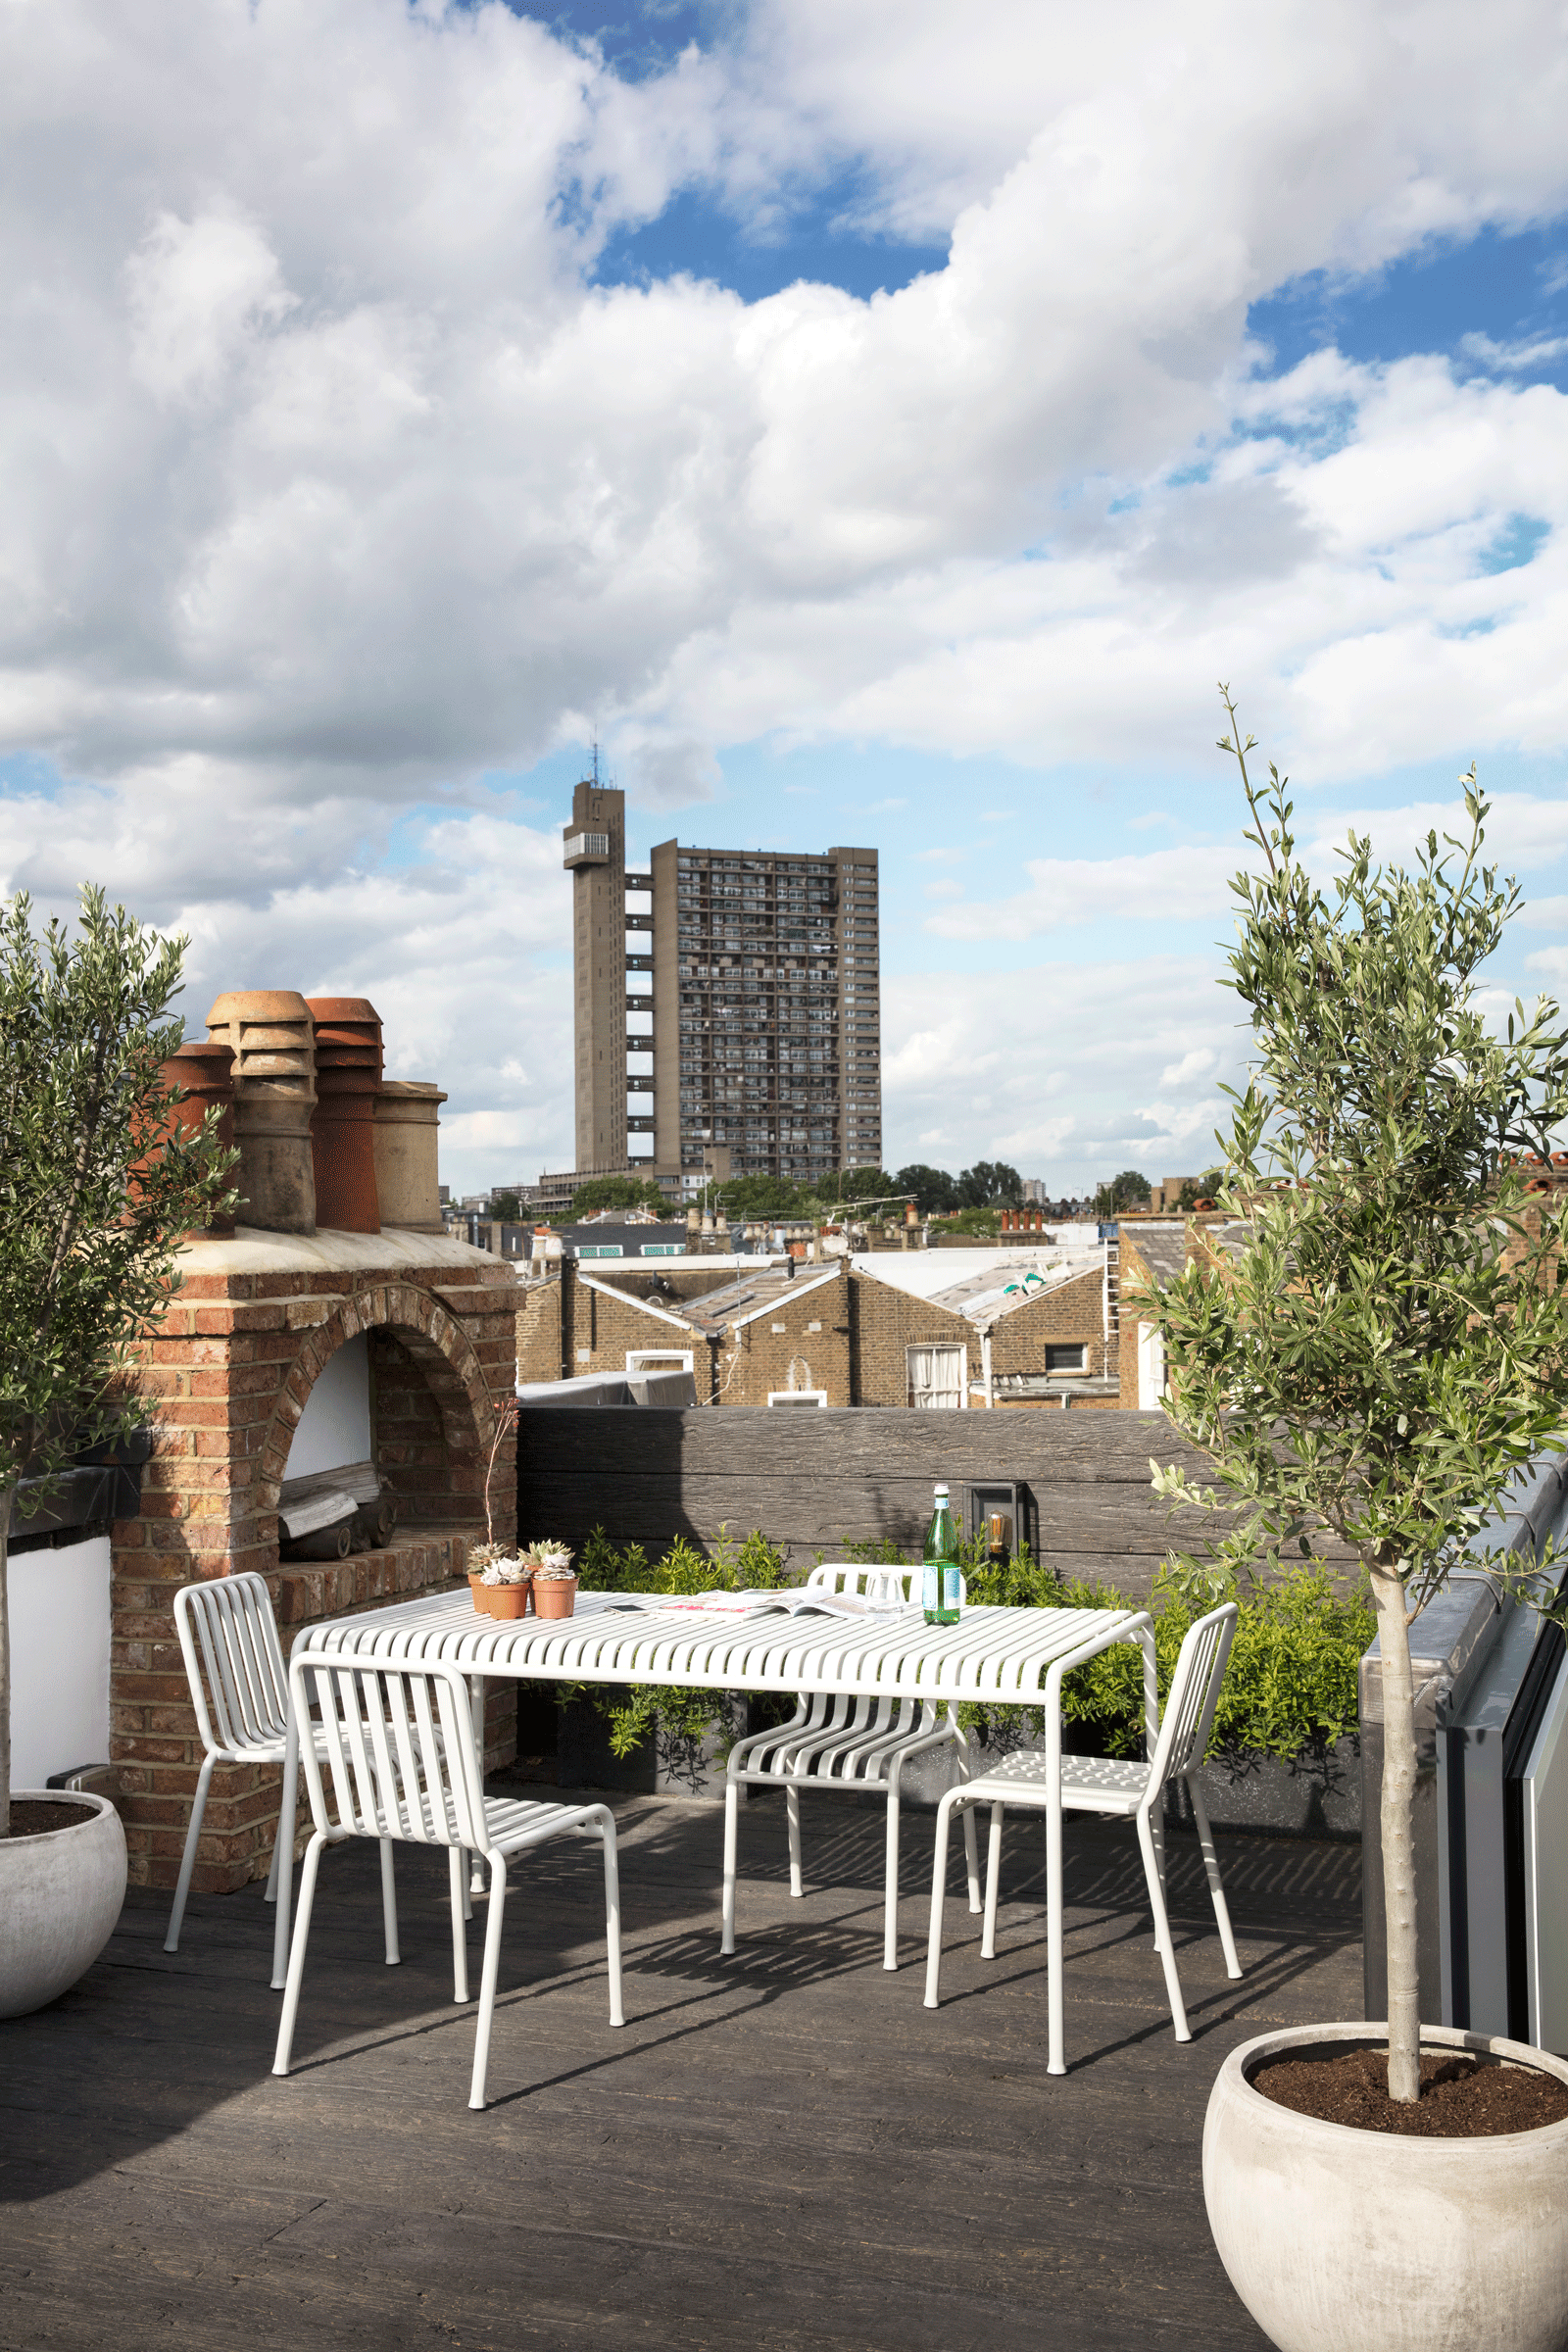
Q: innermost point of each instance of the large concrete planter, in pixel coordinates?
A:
(60, 1896)
(1336, 2239)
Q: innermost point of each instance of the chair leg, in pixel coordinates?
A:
(458, 1866)
(270, 1896)
(1216, 1889)
(492, 1970)
(939, 1888)
(389, 1904)
(1162, 1936)
(296, 1957)
(988, 1933)
(1156, 1829)
(890, 1885)
(617, 2015)
(792, 1810)
(187, 1861)
(732, 1812)
(971, 1858)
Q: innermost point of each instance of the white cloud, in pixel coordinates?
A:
(1060, 1089)
(1514, 357)
(332, 484)
(1199, 1064)
(1065, 891)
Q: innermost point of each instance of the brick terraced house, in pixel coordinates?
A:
(848, 1333)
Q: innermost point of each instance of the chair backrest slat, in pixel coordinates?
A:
(1194, 1694)
(882, 1583)
(397, 1752)
(233, 1661)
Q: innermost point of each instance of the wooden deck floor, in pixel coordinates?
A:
(781, 2150)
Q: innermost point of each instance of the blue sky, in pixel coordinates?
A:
(873, 426)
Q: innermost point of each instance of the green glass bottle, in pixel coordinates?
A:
(939, 1580)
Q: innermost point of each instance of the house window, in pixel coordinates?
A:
(659, 1360)
(938, 1377)
(1151, 1368)
(1067, 1359)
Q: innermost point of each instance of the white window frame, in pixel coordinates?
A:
(816, 1397)
(1151, 1367)
(1067, 1371)
(660, 1359)
(932, 1399)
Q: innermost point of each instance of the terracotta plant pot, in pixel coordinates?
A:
(553, 1596)
(481, 1592)
(508, 1601)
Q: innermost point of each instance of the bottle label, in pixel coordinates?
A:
(931, 1586)
(950, 1587)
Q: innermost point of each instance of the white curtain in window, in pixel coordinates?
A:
(939, 1378)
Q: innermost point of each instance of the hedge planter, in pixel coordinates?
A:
(1336, 2239)
(664, 1765)
(60, 1894)
(1317, 1795)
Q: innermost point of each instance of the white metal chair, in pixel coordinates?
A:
(1105, 1784)
(402, 1763)
(239, 1689)
(846, 1742)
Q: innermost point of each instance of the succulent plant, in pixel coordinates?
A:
(549, 1555)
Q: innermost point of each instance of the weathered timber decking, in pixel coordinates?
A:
(777, 2151)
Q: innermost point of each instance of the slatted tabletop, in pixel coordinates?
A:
(1012, 1657)
(1000, 1654)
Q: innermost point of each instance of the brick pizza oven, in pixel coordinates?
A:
(408, 1337)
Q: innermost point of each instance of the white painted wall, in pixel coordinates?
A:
(59, 1660)
(336, 1425)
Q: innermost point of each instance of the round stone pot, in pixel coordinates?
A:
(1334, 2237)
(60, 1896)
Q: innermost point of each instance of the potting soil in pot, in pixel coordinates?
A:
(1460, 2099)
(31, 1818)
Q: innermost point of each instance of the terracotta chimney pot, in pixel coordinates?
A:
(407, 1178)
(348, 1073)
(273, 1049)
(204, 1073)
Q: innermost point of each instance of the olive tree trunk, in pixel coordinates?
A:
(6, 1494)
(1398, 1831)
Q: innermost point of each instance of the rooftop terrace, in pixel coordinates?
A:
(781, 2150)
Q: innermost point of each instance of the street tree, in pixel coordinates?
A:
(618, 1191)
(935, 1192)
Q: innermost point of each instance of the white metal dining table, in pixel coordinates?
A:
(1003, 1656)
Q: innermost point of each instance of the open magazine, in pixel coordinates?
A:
(796, 1602)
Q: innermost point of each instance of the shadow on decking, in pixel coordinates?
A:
(784, 2149)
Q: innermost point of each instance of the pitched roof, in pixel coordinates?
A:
(717, 1311)
(985, 1297)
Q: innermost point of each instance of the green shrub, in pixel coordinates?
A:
(1289, 1687)
(677, 1714)
(1290, 1690)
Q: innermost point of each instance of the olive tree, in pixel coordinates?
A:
(1389, 1343)
(95, 1192)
